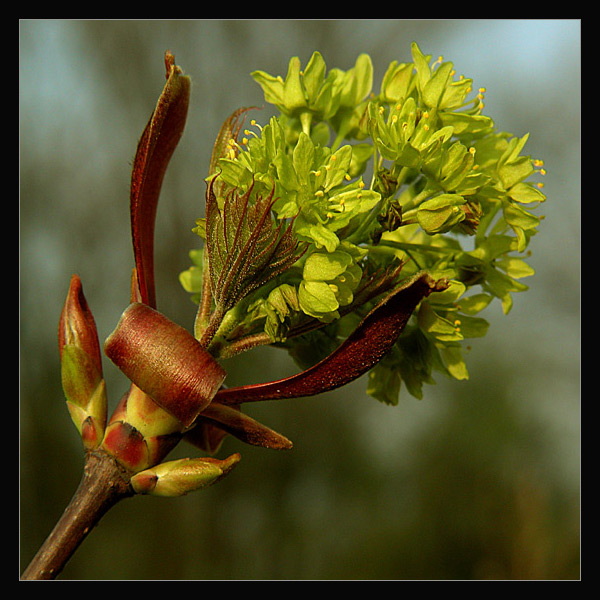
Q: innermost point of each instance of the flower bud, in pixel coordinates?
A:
(473, 214)
(127, 445)
(128, 437)
(165, 361)
(81, 366)
(179, 477)
(441, 213)
(77, 326)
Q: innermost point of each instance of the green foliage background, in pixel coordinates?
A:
(480, 479)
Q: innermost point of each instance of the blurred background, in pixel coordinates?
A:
(479, 480)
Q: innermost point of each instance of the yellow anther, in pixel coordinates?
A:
(538, 163)
(482, 90)
(245, 141)
(318, 173)
(540, 185)
(394, 119)
(361, 184)
(347, 177)
(542, 171)
(426, 127)
(381, 110)
(426, 115)
(472, 150)
(398, 106)
(329, 215)
(319, 193)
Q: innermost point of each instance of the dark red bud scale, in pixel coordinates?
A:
(154, 151)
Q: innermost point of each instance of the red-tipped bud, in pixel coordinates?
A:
(165, 361)
(140, 434)
(81, 366)
(77, 326)
(127, 445)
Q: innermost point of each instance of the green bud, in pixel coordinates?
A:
(441, 213)
(324, 266)
(179, 477)
(318, 299)
(437, 326)
(398, 82)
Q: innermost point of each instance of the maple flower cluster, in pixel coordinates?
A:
(348, 192)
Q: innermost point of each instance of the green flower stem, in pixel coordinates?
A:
(306, 121)
(205, 335)
(410, 246)
(339, 139)
(243, 344)
(204, 309)
(409, 207)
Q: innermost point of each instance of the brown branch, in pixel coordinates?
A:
(103, 484)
